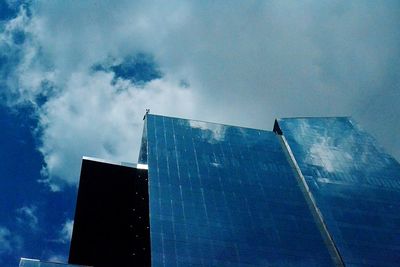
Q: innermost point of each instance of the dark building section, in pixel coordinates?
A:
(276, 128)
(226, 196)
(355, 185)
(111, 226)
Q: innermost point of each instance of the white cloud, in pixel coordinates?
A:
(57, 259)
(246, 64)
(217, 130)
(95, 118)
(24, 70)
(26, 216)
(5, 243)
(9, 242)
(66, 233)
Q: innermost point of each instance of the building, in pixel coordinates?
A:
(312, 192)
(354, 184)
(111, 225)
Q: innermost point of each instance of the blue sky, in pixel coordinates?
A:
(76, 78)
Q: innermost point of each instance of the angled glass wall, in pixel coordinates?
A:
(355, 184)
(225, 196)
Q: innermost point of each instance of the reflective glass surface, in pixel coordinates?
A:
(37, 263)
(225, 196)
(356, 186)
(143, 148)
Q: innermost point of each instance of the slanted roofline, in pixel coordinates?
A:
(223, 124)
(119, 163)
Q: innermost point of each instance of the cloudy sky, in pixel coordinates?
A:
(77, 76)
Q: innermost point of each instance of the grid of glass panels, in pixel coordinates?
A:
(225, 196)
(356, 186)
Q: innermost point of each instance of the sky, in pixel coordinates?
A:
(77, 76)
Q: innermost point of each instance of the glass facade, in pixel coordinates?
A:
(36, 263)
(225, 196)
(356, 186)
(317, 192)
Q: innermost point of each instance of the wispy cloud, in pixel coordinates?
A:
(5, 242)
(57, 258)
(66, 231)
(26, 217)
(9, 242)
(242, 64)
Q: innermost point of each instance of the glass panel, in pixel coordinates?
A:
(225, 196)
(36, 263)
(143, 147)
(356, 186)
